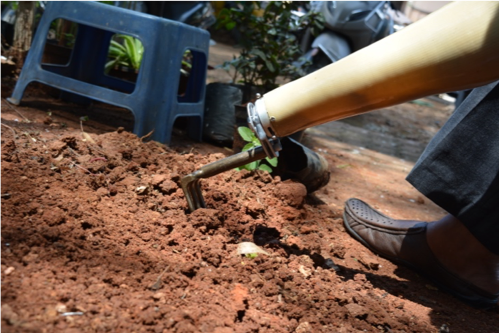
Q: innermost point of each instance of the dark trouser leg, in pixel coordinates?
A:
(459, 169)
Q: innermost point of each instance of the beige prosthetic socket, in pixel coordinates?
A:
(455, 48)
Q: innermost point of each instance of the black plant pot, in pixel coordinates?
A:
(219, 113)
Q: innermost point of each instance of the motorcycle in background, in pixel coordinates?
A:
(348, 27)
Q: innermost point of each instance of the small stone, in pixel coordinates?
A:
(9, 270)
(158, 179)
(102, 192)
(369, 261)
(305, 271)
(329, 264)
(61, 308)
(50, 313)
(308, 229)
(9, 315)
(223, 330)
(158, 296)
(303, 327)
(291, 193)
(356, 310)
(141, 190)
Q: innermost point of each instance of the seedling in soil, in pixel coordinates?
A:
(250, 137)
(82, 119)
(251, 255)
(85, 135)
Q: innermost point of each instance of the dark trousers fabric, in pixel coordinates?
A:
(459, 170)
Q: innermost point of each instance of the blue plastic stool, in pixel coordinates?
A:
(153, 99)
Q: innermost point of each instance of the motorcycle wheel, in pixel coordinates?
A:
(319, 61)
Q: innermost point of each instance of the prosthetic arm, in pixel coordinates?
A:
(455, 48)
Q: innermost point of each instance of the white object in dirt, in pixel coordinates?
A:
(249, 247)
(8, 270)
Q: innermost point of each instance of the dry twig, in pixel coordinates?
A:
(147, 135)
(13, 133)
(14, 140)
(157, 284)
(19, 113)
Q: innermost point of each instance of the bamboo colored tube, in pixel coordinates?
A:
(454, 48)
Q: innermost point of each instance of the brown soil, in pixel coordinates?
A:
(96, 234)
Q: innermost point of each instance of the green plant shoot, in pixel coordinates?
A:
(251, 255)
(128, 53)
(252, 142)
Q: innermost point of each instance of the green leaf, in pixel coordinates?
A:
(224, 12)
(270, 67)
(246, 133)
(252, 166)
(248, 146)
(117, 47)
(259, 54)
(109, 65)
(131, 52)
(268, 47)
(265, 167)
(230, 25)
(272, 161)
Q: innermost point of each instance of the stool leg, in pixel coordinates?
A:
(17, 95)
(26, 76)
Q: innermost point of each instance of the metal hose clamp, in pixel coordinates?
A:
(260, 124)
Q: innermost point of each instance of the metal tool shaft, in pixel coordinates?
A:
(190, 183)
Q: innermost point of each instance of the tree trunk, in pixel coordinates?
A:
(23, 29)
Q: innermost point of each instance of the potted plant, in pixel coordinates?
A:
(269, 50)
(125, 54)
(269, 47)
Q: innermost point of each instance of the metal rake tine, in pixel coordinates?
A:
(198, 195)
(192, 191)
(190, 183)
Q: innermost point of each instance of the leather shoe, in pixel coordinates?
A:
(404, 242)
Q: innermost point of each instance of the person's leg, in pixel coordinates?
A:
(459, 171)
(462, 254)
(444, 251)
